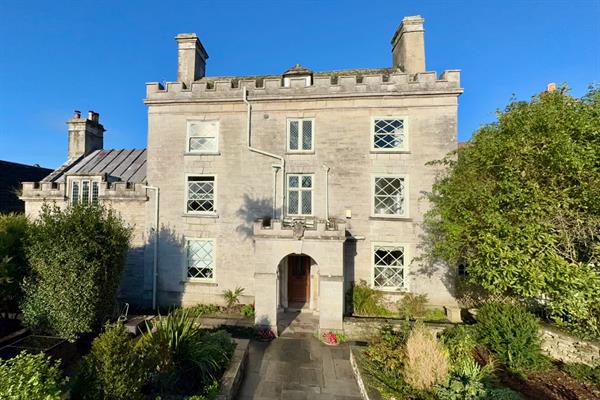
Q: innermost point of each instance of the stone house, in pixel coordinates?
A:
(291, 186)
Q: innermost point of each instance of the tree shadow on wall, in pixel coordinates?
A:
(136, 284)
(251, 210)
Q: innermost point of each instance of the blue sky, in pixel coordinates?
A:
(97, 55)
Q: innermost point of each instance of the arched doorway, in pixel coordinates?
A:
(298, 283)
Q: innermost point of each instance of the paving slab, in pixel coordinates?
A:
(298, 366)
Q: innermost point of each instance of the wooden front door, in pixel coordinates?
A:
(298, 280)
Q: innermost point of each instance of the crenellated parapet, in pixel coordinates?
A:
(320, 85)
(319, 229)
(58, 191)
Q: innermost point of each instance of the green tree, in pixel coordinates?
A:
(520, 206)
(76, 257)
(13, 266)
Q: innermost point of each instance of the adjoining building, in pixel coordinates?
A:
(292, 186)
(11, 176)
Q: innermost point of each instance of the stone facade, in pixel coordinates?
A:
(249, 168)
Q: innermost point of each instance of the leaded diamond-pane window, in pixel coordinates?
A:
(388, 263)
(300, 194)
(389, 134)
(203, 136)
(200, 259)
(300, 137)
(201, 194)
(389, 196)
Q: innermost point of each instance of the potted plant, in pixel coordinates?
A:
(265, 334)
(331, 338)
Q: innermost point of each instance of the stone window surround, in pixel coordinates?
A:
(287, 194)
(188, 136)
(212, 213)
(94, 185)
(405, 142)
(406, 214)
(186, 278)
(405, 269)
(300, 141)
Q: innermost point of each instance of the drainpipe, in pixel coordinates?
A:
(264, 153)
(155, 255)
(326, 168)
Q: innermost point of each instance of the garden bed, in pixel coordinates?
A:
(233, 377)
(55, 347)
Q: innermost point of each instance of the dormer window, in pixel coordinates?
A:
(297, 72)
(84, 191)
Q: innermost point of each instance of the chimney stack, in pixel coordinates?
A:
(408, 45)
(85, 135)
(191, 58)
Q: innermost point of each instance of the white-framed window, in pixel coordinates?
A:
(300, 134)
(201, 194)
(300, 194)
(390, 196)
(389, 266)
(200, 259)
(389, 134)
(203, 136)
(84, 191)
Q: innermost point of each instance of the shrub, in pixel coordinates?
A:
(232, 297)
(387, 348)
(460, 343)
(77, 257)
(112, 370)
(426, 361)
(247, 310)
(412, 305)
(13, 265)
(31, 377)
(512, 334)
(367, 301)
(188, 358)
(203, 309)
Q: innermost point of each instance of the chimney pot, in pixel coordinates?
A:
(408, 45)
(77, 114)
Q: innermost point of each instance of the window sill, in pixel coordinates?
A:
(300, 153)
(199, 282)
(215, 215)
(381, 151)
(389, 290)
(390, 218)
(191, 153)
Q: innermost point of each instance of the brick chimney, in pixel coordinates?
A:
(191, 58)
(85, 134)
(408, 45)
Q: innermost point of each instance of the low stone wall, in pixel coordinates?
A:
(234, 375)
(563, 347)
(363, 328)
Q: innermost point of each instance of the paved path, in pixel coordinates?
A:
(297, 366)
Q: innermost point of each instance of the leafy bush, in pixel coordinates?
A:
(77, 257)
(460, 342)
(387, 348)
(232, 297)
(412, 306)
(31, 377)
(112, 370)
(367, 301)
(200, 310)
(426, 361)
(247, 310)
(583, 372)
(188, 358)
(13, 265)
(512, 334)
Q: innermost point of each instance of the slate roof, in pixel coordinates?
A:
(11, 176)
(119, 165)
